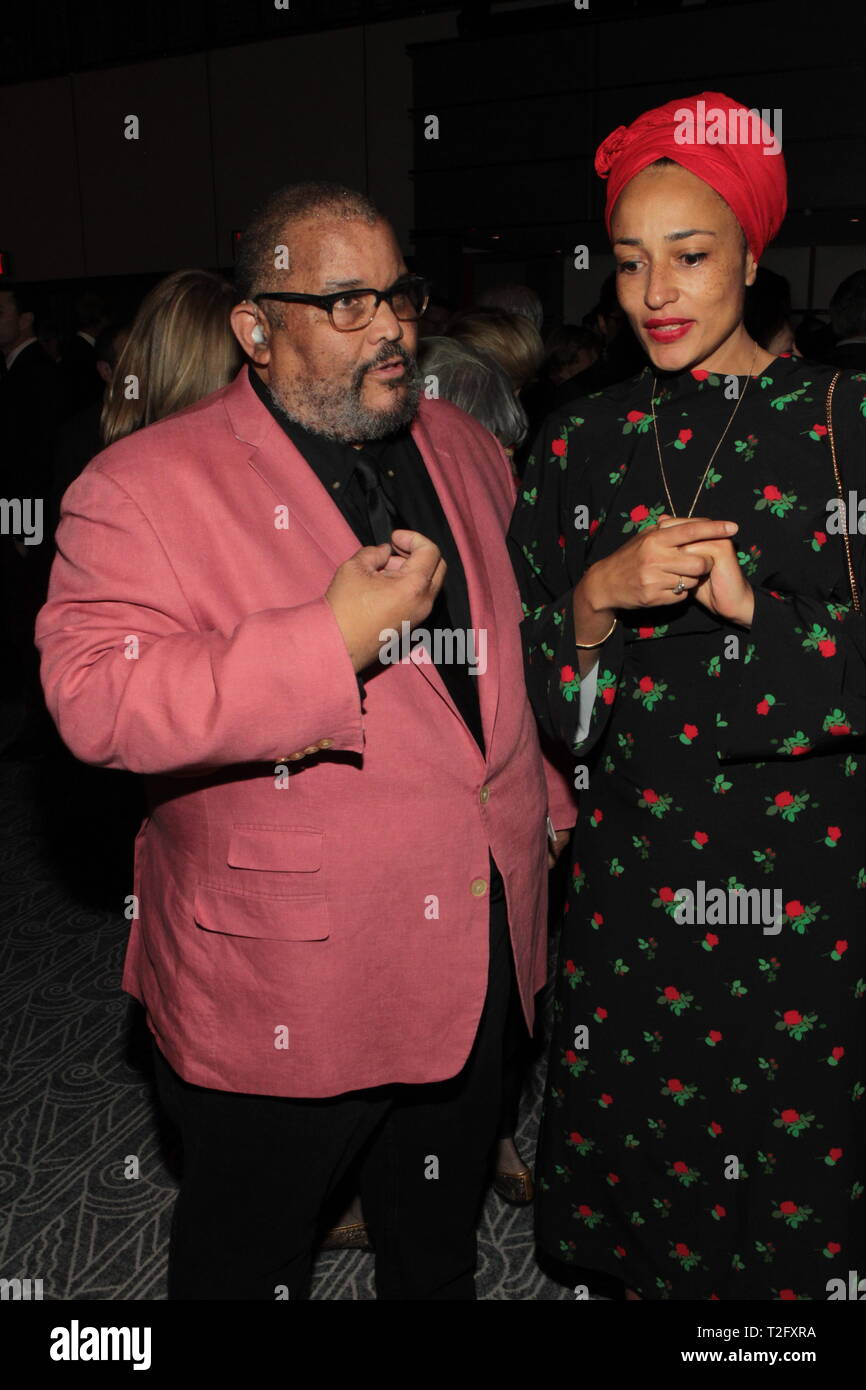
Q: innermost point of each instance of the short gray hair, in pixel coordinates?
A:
(477, 384)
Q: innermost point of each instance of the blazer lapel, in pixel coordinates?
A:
(452, 494)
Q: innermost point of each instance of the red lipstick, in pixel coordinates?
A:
(667, 330)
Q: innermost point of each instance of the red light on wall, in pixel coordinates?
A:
(5, 264)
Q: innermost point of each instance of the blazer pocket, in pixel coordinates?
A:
(275, 848)
(266, 918)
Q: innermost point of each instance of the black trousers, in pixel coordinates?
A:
(258, 1169)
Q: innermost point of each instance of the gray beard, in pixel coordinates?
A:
(337, 412)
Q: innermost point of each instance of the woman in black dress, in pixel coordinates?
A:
(679, 549)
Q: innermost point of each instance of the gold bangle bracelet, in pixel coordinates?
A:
(586, 646)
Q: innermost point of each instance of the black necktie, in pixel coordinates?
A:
(380, 509)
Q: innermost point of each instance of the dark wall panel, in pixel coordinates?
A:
(40, 221)
(285, 110)
(147, 203)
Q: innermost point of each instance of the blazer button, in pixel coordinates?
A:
(484, 795)
(293, 757)
(314, 748)
(479, 887)
(325, 742)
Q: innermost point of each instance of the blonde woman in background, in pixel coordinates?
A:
(180, 348)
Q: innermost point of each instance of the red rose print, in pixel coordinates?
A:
(838, 1053)
(561, 542)
(608, 695)
(834, 1247)
(836, 1154)
(671, 992)
(833, 832)
(639, 513)
(593, 527)
(675, 1085)
(584, 1210)
(788, 1208)
(841, 947)
(619, 1249)
(647, 684)
(666, 894)
(790, 1117)
(608, 1100)
(720, 1211)
(839, 729)
(715, 1127)
(570, 967)
(762, 707)
(715, 1035)
(682, 1249)
(690, 730)
(791, 1017)
(684, 436)
(827, 647)
(711, 939)
(783, 799)
(602, 1013)
(645, 631)
(680, 1167)
(701, 836)
(794, 908)
(819, 429)
(772, 493)
(700, 373)
(635, 415)
(787, 1294)
(576, 1138)
(598, 919)
(612, 1177)
(571, 1057)
(559, 446)
(566, 675)
(650, 796)
(597, 816)
(820, 537)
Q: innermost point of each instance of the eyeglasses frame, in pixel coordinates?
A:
(327, 301)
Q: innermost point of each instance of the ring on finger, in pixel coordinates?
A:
(680, 588)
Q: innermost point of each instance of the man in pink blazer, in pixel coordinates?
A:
(343, 870)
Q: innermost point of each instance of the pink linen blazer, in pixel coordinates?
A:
(311, 879)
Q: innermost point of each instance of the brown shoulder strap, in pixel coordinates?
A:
(855, 593)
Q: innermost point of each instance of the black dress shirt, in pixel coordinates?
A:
(409, 487)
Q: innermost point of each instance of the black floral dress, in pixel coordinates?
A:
(703, 1125)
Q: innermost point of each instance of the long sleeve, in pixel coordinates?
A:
(547, 540)
(799, 683)
(133, 682)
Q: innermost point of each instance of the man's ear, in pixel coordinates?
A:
(252, 332)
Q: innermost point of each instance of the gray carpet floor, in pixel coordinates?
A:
(78, 1107)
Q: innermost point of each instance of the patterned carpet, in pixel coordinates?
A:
(77, 1099)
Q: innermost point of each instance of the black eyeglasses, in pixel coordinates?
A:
(349, 310)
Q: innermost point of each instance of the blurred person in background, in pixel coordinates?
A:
(571, 350)
(80, 438)
(848, 319)
(514, 299)
(767, 312)
(81, 381)
(476, 383)
(509, 338)
(180, 348)
(29, 405)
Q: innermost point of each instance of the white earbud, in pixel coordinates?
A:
(258, 334)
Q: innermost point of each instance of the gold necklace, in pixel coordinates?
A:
(715, 451)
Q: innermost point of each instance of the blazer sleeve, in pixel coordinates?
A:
(132, 681)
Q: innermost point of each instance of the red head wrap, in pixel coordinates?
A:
(715, 138)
